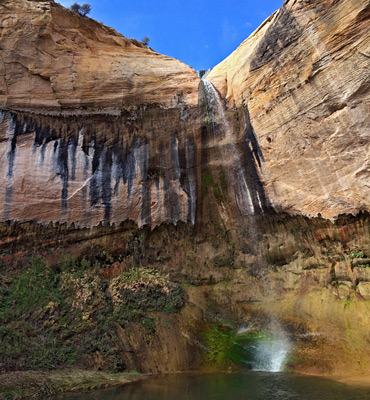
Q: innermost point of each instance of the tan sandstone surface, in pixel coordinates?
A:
(53, 58)
(119, 114)
(304, 75)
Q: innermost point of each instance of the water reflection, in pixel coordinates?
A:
(240, 386)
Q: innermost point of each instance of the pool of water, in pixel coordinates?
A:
(236, 386)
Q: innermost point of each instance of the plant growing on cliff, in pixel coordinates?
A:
(359, 254)
(82, 10)
(145, 41)
(209, 182)
(58, 315)
(138, 291)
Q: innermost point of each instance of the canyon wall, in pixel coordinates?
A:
(96, 127)
(304, 76)
(233, 203)
(308, 274)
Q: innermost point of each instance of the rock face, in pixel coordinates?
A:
(120, 144)
(309, 274)
(304, 76)
(53, 59)
(99, 168)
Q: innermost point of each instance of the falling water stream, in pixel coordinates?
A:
(229, 151)
(216, 107)
(268, 355)
(268, 351)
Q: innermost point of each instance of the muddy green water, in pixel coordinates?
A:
(236, 386)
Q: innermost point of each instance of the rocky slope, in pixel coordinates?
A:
(97, 129)
(304, 76)
(163, 300)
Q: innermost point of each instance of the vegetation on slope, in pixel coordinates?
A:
(67, 314)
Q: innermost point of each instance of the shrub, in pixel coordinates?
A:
(82, 10)
(145, 40)
(85, 9)
(139, 291)
(75, 8)
(54, 317)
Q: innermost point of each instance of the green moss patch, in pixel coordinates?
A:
(219, 188)
(226, 346)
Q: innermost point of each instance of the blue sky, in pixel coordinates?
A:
(200, 33)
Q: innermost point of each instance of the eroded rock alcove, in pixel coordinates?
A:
(249, 191)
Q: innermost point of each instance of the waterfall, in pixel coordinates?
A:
(202, 74)
(244, 191)
(216, 108)
(235, 150)
(268, 351)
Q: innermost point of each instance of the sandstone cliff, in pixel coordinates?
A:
(304, 76)
(96, 129)
(99, 128)
(120, 144)
(53, 59)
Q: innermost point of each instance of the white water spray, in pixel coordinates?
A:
(270, 355)
(268, 352)
(202, 74)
